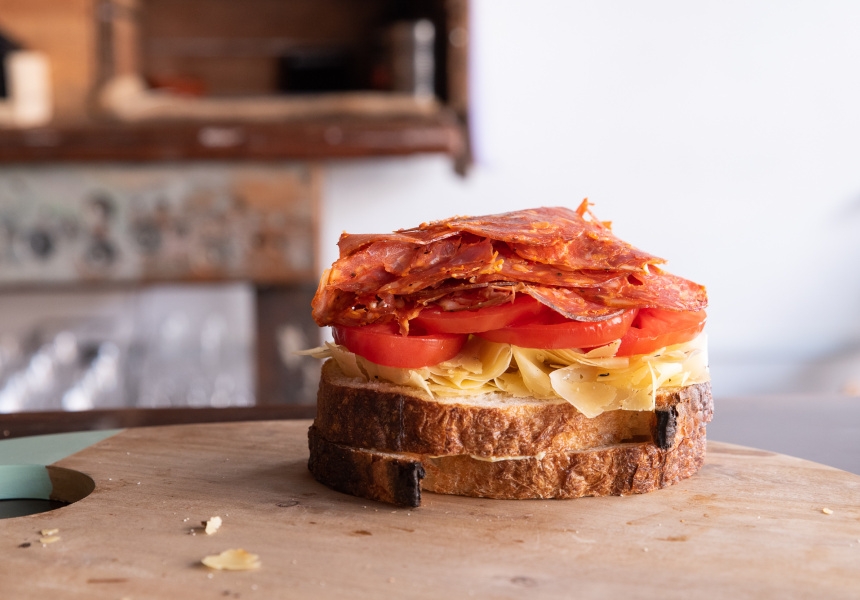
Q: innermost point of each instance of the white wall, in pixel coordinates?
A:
(722, 135)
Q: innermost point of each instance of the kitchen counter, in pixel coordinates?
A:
(750, 524)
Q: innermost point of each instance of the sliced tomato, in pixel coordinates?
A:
(558, 333)
(384, 345)
(437, 320)
(654, 328)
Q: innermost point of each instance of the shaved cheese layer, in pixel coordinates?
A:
(594, 382)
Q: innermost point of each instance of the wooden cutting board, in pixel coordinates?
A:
(749, 525)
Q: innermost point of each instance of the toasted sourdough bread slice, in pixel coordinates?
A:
(391, 418)
(377, 441)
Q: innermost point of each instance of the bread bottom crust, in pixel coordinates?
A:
(396, 478)
(619, 470)
(386, 477)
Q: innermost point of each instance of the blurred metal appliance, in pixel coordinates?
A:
(212, 268)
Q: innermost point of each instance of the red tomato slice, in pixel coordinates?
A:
(565, 334)
(437, 320)
(654, 328)
(384, 345)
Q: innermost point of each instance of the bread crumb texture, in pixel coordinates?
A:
(212, 525)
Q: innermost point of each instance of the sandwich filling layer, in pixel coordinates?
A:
(593, 381)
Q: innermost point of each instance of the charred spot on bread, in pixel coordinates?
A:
(664, 431)
(373, 475)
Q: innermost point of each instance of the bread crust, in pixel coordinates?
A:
(391, 418)
(377, 441)
(364, 473)
(616, 470)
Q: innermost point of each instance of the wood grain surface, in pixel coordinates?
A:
(750, 525)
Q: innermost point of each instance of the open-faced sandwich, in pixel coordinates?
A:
(530, 354)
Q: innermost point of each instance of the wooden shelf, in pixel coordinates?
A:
(304, 140)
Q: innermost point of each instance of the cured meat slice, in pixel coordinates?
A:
(461, 295)
(553, 235)
(352, 242)
(402, 268)
(450, 258)
(558, 236)
(534, 227)
(571, 304)
(588, 253)
(379, 263)
(654, 290)
(568, 262)
(516, 268)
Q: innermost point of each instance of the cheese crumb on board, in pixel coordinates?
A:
(234, 559)
(49, 536)
(212, 525)
(827, 511)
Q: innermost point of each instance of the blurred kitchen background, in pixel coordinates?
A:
(174, 176)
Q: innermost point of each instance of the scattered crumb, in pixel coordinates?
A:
(827, 511)
(645, 549)
(212, 525)
(49, 536)
(235, 559)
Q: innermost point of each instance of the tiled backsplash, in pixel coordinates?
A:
(141, 223)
